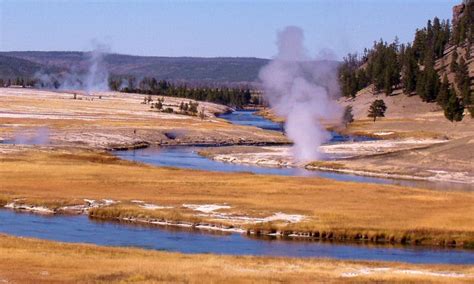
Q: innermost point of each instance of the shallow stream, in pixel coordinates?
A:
(188, 158)
(81, 229)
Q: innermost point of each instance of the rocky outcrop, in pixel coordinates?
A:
(458, 12)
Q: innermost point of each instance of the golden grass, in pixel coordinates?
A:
(347, 210)
(269, 114)
(118, 116)
(121, 212)
(35, 261)
(326, 164)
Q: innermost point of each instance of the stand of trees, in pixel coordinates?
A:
(234, 97)
(412, 66)
(19, 81)
(228, 96)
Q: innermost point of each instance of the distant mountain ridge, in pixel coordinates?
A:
(11, 67)
(217, 69)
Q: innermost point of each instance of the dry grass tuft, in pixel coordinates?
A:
(34, 261)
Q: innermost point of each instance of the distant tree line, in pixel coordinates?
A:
(412, 66)
(19, 81)
(235, 97)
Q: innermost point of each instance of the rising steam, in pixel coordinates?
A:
(39, 136)
(94, 77)
(97, 77)
(302, 90)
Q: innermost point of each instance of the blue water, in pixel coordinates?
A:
(188, 158)
(80, 229)
(249, 118)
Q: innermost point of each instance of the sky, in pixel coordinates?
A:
(210, 28)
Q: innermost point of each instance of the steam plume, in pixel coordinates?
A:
(39, 137)
(94, 78)
(302, 90)
(97, 76)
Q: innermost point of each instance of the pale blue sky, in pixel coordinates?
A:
(210, 28)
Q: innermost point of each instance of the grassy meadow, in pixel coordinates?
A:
(335, 210)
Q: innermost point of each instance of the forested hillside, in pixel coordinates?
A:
(437, 65)
(191, 69)
(12, 67)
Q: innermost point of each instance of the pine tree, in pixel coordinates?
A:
(348, 116)
(444, 92)
(351, 78)
(428, 83)
(462, 72)
(202, 114)
(454, 110)
(383, 67)
(159, 105)
(453, 67)
(377, 109)
(419, 44)
(463, 81)
(410, 71)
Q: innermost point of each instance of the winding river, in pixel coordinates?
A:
(187, 157)
(81, 229)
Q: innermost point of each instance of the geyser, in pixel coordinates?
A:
(89, 75)
(302, 90)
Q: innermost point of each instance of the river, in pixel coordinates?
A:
(187, 157)
(81, 229)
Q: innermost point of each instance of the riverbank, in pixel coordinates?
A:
(419, 145)
(438, 160)
(258, 204)
(111, 120)
(30, 260)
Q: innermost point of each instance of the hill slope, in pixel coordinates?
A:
(11, 67)
(219, 69)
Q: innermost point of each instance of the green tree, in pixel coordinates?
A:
(349, 73)
(159, 104)
(428, 82)
(453, 67)
(384, 67)
(348, 116)
(193, 107)
(410, 71)
(454, 110)
(462, 72)
(202, 114)
(463, 81)
(419, 44)
(444, 92)
(377, 109)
